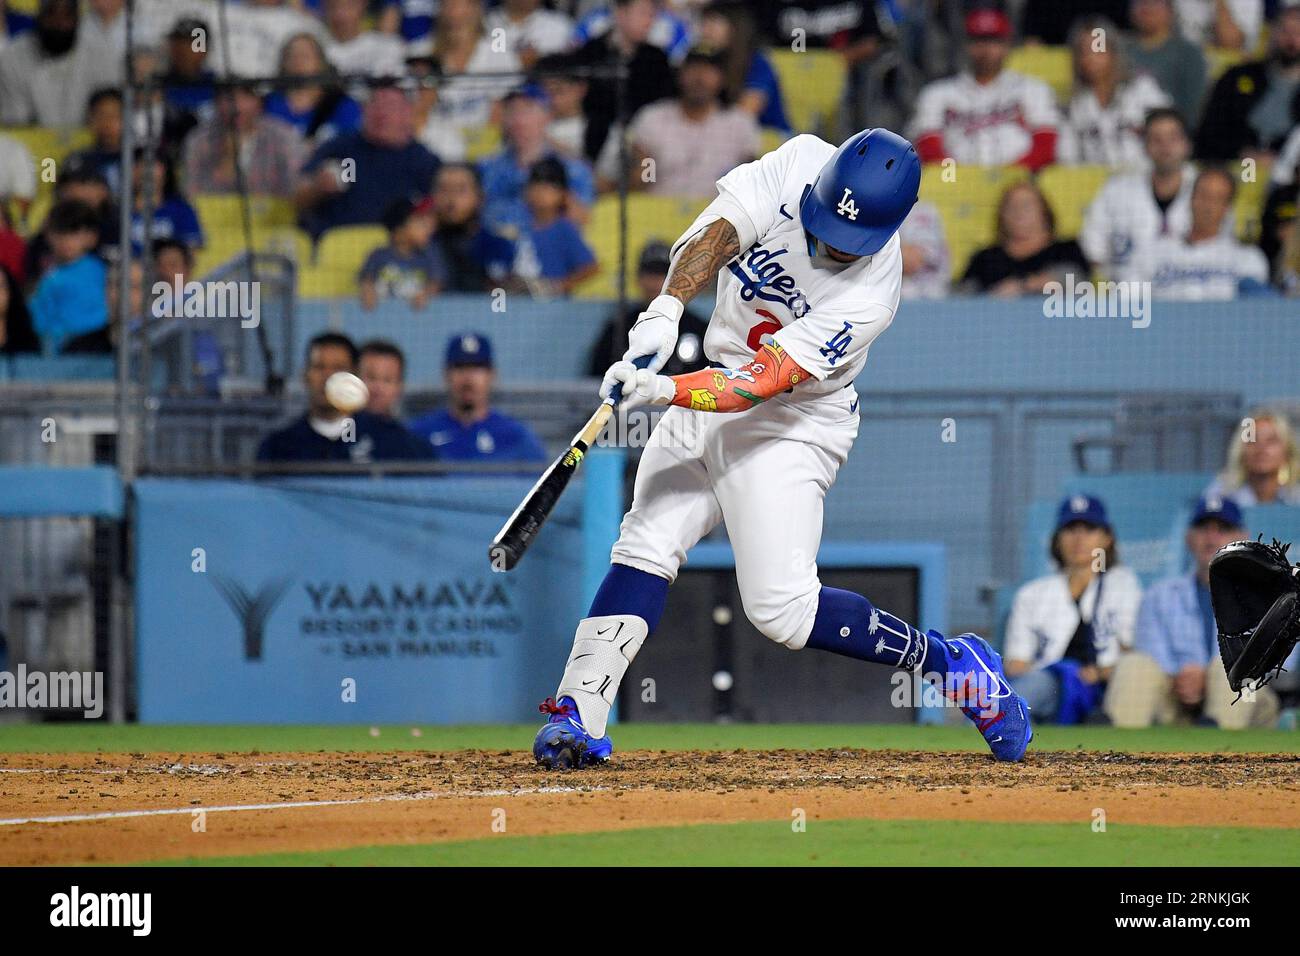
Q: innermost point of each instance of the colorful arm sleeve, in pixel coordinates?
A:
(770, 372)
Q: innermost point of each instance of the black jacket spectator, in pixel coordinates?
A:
(650, 78)
(1226, 131)
(990, 266)
(377, 439)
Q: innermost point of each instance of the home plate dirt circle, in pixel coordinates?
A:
(103, 807)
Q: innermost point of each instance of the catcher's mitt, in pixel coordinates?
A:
(1256, 596)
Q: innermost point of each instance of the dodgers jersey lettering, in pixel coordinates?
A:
(824, 313)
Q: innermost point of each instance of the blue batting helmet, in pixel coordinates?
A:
(863, 193)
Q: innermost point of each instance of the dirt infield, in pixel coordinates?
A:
(133, 807)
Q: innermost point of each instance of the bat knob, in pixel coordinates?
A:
(502, 558)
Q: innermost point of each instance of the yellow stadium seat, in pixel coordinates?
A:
(223, 246)
(45, 143)
(967, 200)
(648, 217)
(770, 139)
(339, 257)
(1069, 190)
(222, 212)
(1248, 207)
(481, 142)
(812, 85)
(1218, 61)
(1051, 64)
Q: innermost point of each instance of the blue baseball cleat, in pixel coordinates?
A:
(975, 679)
(563, 743)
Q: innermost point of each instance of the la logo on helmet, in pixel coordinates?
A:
(847, 206)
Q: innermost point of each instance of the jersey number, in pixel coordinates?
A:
(755, 338)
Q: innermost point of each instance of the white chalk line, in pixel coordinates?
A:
(292, 805)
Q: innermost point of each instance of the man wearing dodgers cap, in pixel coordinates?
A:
(469, 429)
(1174, 674)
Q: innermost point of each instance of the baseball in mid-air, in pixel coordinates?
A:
(346, 392)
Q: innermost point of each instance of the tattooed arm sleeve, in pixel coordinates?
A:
(698, 260)
(770, 372)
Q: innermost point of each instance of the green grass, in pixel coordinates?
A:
(831, 843)
(75, 737)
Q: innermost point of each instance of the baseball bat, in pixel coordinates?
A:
(517, 534)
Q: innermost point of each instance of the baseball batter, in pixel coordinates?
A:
(803, 246)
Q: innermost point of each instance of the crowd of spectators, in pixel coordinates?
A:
(1087, 644)
(367, 101)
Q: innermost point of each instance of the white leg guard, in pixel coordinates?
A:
(603, 647)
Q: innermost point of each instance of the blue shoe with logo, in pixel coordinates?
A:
(563, 743)
(976, 681)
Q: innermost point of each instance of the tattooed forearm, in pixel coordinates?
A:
(701, 258)
(770, 372)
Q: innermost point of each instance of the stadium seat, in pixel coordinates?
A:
(648, 217)
(770, 139)
(481, 142)
(1051, 64)
(44, 143)
(1248, 207)
(225, 212)
(1218, 61)
(339, 257)
(223, 245)
(1069, 190)
(812, 83)
(968, 205)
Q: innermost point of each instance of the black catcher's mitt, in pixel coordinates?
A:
(1256, 596)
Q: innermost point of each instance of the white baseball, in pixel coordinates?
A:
(346, 392)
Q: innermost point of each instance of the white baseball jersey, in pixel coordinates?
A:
(1111, 135)
(1206, 271)
(765, 471)
(1044, 617)
(1197, 20)
(824, 313)
(985, 124)
(1123, 220)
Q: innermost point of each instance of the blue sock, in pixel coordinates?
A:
(848, 624)
(629, 591)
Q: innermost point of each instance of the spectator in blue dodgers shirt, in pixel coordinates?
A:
(552, 258)
(1068, 629)
(410, 267)
(469, 429)
(354, 177)
(1206, 263)
(172, 215)
(318, 111)
(323, 433)
(525, 116)
(70, 297)
(1174, 674)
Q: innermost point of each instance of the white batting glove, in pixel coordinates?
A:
(655, 332)
(640, 385)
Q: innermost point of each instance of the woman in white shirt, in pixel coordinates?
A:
(476, 72)
(1067, 629)
(1108, 107)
